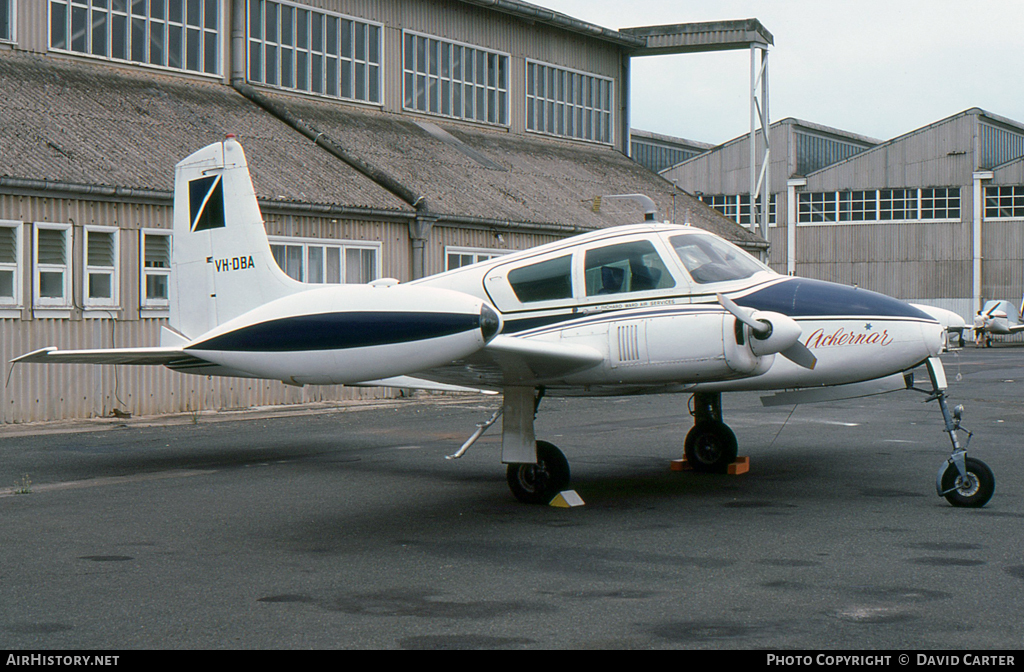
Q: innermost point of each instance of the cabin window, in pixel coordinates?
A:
(626, 267)
(543, 281)
(710, 259)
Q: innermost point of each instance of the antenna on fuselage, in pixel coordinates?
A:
(650, 207)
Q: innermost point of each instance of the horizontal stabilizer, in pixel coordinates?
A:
(836, 392)
(137, 356)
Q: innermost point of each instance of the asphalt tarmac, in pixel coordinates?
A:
(345, 527)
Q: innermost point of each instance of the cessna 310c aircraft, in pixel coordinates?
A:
(636, 309)
(1000, 318)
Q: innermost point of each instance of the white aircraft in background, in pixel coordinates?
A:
(999, 318)
(950, 321)
(637, 309)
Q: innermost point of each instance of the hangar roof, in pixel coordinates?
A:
(84, 124)
(73, 122)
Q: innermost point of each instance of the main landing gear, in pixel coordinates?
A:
(537, 470)
(710, 447)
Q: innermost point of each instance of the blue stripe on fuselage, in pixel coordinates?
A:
(340, 331)
(796, 297)
(803, 297)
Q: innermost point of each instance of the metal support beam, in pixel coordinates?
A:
(760, 122)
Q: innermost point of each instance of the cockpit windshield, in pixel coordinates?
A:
(711, 259)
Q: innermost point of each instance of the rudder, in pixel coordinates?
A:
(221, 261)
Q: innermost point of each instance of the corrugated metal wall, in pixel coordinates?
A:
(908, 261)
(53, 392)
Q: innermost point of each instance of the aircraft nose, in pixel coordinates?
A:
(933, 336)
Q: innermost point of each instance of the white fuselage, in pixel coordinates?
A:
(676, 335)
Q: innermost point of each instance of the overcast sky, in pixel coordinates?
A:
(879, 68)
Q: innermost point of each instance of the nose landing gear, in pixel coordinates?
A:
(963, 481)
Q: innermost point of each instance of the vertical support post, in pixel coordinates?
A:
(977, 217)
(760, 184)
(518, 442)
(753, 136)
(792, 212)
(766, 170)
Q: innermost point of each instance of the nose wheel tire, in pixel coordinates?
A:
(971, 491)
(539, 483)
(710, 447)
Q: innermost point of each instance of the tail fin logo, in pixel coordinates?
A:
(206, 203)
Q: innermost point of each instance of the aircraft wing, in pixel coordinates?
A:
(139, 356)
(511, 361)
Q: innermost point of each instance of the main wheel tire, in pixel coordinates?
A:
(710, 447)
(539, 483)
(972, 491)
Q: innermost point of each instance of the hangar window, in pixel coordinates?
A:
(6, 20)
(52, 265)
(897, 204)
(305, 49)
(1004, 202)
(736, 207)
(857, 206)
(10, 264)
(940, 203)
(102, 251)
(331, 262)
(569, 103)
(454, 80)
(457, 257)
(872, 205)
(178, 34)
(543, 281)
(155, 254)
(818, 207)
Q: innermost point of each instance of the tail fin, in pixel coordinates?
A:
(221, 261)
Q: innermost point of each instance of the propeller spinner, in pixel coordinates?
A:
(772, 332)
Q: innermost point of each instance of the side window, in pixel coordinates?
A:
(101, 267)
(10, 266)
(626, 267)
(53, 265)
(156, 269)
(544, 281)
(332, 262)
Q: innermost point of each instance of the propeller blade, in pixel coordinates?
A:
(800, 354)
(743, 316)
(797, 353)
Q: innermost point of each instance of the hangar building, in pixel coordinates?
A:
(935, 215)
(386, 138)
